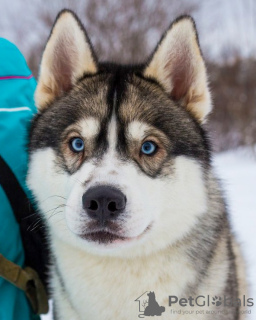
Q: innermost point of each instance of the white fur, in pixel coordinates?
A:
(105, 287)
(89, 127)
(137, 130)
(112, 135)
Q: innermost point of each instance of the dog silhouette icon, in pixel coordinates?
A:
(153, 308)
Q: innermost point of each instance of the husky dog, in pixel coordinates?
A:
(120, 167)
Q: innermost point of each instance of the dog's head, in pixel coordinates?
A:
(118, 153)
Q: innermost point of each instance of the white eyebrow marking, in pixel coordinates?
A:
(90, 127)
(137, 130)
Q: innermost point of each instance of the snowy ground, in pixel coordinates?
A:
(237, 170)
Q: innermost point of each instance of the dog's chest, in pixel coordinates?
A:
(106, 288)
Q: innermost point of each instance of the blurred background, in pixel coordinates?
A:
(127, 31)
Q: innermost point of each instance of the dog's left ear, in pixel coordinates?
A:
(177, 64)
(68, 55)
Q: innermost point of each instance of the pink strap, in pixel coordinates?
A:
(16, 77)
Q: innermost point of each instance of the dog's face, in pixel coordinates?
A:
(117, 153)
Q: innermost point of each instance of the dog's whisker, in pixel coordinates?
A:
(78, 181)
(55, 208)
(31, 215)
(57, 196)
(33, 226)
(54, 214)
(60, 220)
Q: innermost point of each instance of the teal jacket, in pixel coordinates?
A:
(17, 86)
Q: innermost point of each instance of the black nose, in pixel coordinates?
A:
(104, 203)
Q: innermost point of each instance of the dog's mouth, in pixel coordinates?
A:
(103, 237)
(109, 237)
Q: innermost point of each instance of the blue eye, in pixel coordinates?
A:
(148, 148)
(77, 144)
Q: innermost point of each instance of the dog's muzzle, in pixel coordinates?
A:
(104, 203)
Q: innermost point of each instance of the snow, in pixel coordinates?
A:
(237, 170)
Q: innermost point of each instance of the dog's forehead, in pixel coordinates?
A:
(140, 100)
(128, 100)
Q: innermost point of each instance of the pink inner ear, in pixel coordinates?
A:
(179, 71)
(64, 57)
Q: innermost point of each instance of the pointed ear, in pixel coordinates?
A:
(177, 64)
(67, 56)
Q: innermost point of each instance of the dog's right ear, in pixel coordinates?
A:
(68, 55)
